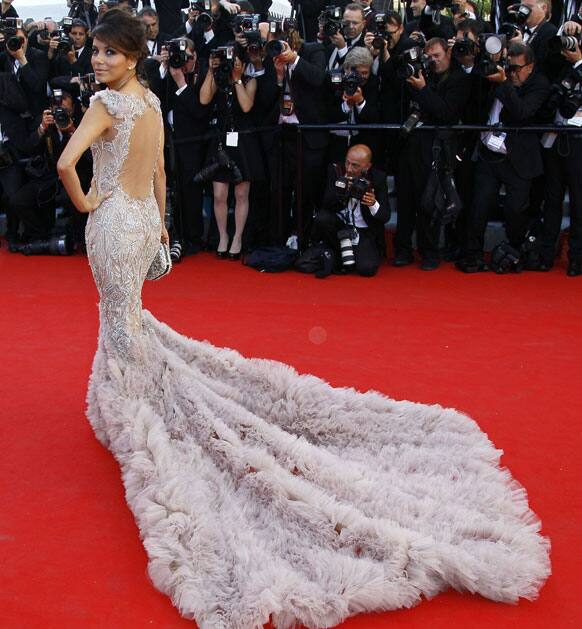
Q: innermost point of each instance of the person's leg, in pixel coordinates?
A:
(324, 229)
(241, 212)
(367, 255)
(574, 174)
(485, 195)
(221, 213)
(517, 198)
(555, 190)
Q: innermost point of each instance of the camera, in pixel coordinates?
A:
(222, 74)
(65, 42)
(411, 62)
(177, 56)
(564, 42)
(464, 47)
(348, 188)
(60, 114)
(8, 27)
(87, 87)
(345, 237)
(351, 82)
(412, 121)
(245, 23)
(381, 37)
(566, 96)
(204, 19)
(491, 48)
(509, 29)
(283, 25)
(222, 160)
(518, 13)
(274, 48)
(330, 20)
(55, 246)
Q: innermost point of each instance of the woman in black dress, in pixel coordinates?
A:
(231, 96)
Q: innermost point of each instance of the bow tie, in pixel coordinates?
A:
(527, 30)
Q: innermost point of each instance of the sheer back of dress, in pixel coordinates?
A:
(125, 157)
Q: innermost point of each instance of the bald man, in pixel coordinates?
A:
(364, 218)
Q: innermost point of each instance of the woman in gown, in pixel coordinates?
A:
(260, 493)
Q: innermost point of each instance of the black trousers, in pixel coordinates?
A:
(188, 218)
(34, 205)
(11, 180)
(563, 170)
(492, 170)
(285, 171)
(325, 227)
(413, 173)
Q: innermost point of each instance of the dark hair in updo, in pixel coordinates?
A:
(120, 30)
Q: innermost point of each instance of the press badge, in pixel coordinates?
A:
(232, 138)
(495, 141)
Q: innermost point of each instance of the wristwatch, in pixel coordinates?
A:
(238, 82)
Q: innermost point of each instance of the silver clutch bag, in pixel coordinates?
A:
(161, 264)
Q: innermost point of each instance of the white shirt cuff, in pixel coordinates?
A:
(374, 208)
(163, 71)
(342, 52)
(578, 63)
(181, 89)
(188, 27)
(361, 106)
(293, 65)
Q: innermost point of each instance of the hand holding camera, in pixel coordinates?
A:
(357, 98)
(498, 77)
(572, 28)
(287, 55)
(573, 55)
(238, 69)
(417, 82)
(369, 198)
(338, 40)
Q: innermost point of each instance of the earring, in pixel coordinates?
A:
(130, 67)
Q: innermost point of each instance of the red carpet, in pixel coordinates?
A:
(506, 350)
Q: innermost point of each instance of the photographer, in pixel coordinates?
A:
(14, 133)
(509, 158)
(75, 58)
(353, 101)
(345, 38)
(7, 9)
(232, 157)
(563, 167)
(208, 29)
(83, 10)
(187, 118)
(354, 211)
(34, 203)
(169, 13)
(440, 91)
(424, 20)
(30, 67)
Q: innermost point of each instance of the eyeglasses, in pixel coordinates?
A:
(515, 67)
(351, 23)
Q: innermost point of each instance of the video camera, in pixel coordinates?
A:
(491, 53)
(412, 62)
(177, 52)
(330, 20)
(60, 114)
(345, 81)
(8, 27)
(382, 37)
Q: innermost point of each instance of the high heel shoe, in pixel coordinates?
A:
(234, 256)
(222, 255)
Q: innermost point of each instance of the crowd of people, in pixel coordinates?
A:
(235, 84)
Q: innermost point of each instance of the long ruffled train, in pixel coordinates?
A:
(264, 494)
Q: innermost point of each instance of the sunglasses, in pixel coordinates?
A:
(514, 67)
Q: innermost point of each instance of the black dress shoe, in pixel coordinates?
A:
(471, 265)
(403, 259)
(429, 264)
(574, 268)
(222, 254)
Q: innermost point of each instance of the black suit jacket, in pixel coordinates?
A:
(339, 61)
(550, 64)
(60, 65)
(394, 98)
(332, 203)
(520, 108)
(425, 24)
(32, 77)
(308, 92)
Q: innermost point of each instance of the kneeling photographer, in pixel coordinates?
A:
(354, 211)
(35, 202)
(511, 158)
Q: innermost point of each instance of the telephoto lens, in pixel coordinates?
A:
(176, 251)
(346, 248)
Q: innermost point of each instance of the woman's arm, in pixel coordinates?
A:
(208, 89)
(246, 94)
(160, 180)
(94, 123)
